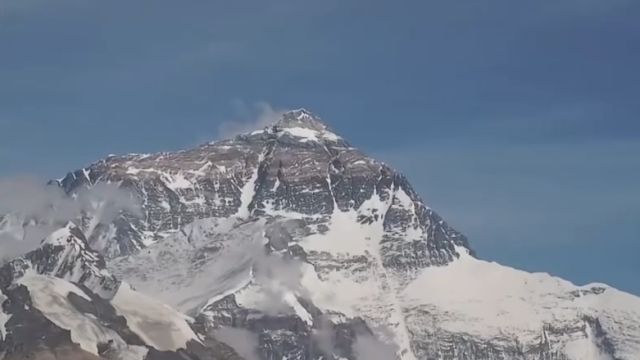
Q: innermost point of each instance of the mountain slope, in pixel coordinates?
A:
(318, 252)
(59, 302)
(492, 308)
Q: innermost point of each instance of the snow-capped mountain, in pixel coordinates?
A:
(312, 250)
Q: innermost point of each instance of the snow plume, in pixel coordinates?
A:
(250, 118)
(279, 277)
(29, 211)
(244, 342)
(368, 347)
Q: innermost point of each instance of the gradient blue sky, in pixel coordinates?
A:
(516, 120)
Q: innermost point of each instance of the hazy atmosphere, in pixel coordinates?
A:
(517, 121)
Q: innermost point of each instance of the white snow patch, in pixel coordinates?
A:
(248, 191)
(272, 299)
(328, 135)
(199, 200)
(291, 300)
(244, 342)
(487, 300)
(177, 181)
(276, 185)
(504, 300)
(165, 205)
(133, 171)
(346, 235)
(167, 270)
(201, 171)
(157, 324)
(133, 352)
(241, 284)
(49, 295)
(306, 134)
(60, 236)
(86, 174)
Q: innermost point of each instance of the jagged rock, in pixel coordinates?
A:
(59, 302)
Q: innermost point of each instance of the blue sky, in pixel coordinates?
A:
(517, 120)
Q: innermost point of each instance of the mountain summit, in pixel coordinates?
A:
(301, 118)
(296, 242)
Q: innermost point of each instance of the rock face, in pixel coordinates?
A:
(309, 249)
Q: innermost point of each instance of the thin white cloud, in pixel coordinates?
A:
(249, 118)
(368, 347)
(244, 342)
(324, 336)
(29, 211)
(277, 276)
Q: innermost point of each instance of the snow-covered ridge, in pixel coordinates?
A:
(489, 301)
(158, 325)
(49, 295)
(65, 254)
(67, 285)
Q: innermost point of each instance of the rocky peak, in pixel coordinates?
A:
(296, 168)
(65, 254)
(301, 118)
(297, 128)
(69, 234)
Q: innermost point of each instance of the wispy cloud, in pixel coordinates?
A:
(324, 337)
(278, 276)
(29, 210)
(368, 347)
(244, 342)
(249, 118)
